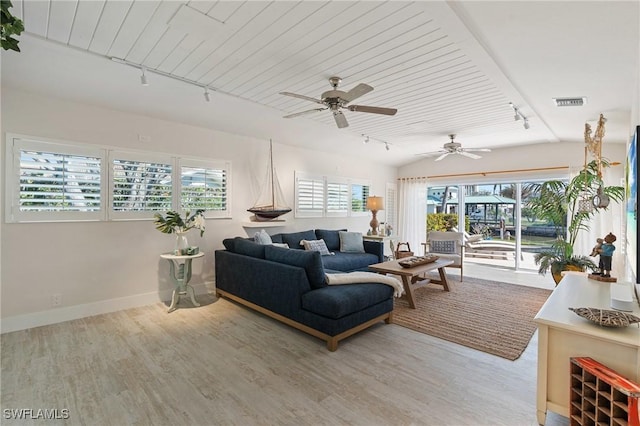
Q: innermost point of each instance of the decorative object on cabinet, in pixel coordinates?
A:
(606, 317)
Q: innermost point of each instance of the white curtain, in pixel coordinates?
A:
(605, 221)
(412, 212)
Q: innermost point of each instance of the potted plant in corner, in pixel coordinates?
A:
(570, 206)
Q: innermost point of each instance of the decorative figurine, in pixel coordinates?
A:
(606, 253)
(605, 249)
(596, 249)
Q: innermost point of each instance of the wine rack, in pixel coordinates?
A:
(600, 396)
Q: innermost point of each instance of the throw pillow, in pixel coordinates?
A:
(331, 237)
(446, 247)
(262, 237)
(351, 242)
(316, 245)
(281, 245)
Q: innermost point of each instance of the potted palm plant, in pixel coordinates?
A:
(570, 206)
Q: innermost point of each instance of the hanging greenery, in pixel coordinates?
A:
(9, 26)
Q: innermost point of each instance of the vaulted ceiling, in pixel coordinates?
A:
(448, 67)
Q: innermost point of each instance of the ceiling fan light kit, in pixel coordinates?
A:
(454, 147)
(336, 100)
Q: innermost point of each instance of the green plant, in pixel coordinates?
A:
(561, 203)
(174, 222)
(9, 26)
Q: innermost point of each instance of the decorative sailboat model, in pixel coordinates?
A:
(270, 204)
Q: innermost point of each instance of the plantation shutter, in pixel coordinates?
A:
(204, 188)
(337, 199)
(309, 196)
(140, 187)
(359, 195)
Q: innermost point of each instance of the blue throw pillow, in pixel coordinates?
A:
(444, 247)
(330, 237)
(309, 260)
(351, 242)
(294, 238)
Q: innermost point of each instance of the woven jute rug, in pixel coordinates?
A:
(489, 316)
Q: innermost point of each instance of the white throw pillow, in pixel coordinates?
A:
(262, 237)
(316, 245)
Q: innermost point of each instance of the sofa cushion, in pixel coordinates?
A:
(330, 237)
(248, 248)
(262, 237)
(229, 244)
(338, 301)
(294, 238)
(347, 262)
(311, 261)
(316, 245)
(351, 242)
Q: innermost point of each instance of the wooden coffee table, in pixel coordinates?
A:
(411, 278)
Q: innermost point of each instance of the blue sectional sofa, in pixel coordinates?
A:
(289, 285)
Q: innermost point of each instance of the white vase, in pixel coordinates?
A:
(181, 244)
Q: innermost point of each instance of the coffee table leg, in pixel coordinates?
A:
(443, 279)
(408, 291)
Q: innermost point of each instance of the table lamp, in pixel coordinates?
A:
(374, 204)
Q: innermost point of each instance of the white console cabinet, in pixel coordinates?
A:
(562, 334)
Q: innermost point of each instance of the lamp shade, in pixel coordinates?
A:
(375, 203)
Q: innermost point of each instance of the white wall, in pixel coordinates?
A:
(103, 266)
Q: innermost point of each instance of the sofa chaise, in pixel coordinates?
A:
(290, 285)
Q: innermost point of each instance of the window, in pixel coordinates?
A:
(322, 196)
(337, 199)
(54, 181)
(309, 196)
(205, 186)
(138, 186)
(359, 194)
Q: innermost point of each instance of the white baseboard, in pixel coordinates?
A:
(68, 313)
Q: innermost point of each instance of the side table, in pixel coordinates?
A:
(180, 272)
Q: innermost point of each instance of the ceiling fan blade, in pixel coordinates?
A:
(442, 156)
(341, 120)
(297, 114)
(356, 92)
(477, 150)
(466, 154)
(432, 154)
(306, 98)
(372, 109)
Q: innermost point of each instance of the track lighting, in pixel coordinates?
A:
(143, 77)
(366, 139)
(386, 146)
(519, 115)
(206, 94)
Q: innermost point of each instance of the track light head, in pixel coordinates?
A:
(206, 94)
(526, 124)
(517, 116)
(366, 140)
(386, 146)
(143, 78)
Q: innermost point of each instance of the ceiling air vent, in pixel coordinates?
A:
(562, 102)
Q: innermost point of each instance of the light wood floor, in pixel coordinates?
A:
(222, 364)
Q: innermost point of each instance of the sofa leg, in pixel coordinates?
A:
(332, 344)
(389, 318)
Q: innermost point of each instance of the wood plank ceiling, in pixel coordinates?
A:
(420, 57)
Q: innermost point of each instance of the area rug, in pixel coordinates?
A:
(489, 316)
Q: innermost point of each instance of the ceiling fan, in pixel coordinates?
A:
(454, 147)
(335, 100)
